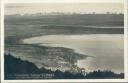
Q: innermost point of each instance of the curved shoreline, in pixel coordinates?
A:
(95, 44)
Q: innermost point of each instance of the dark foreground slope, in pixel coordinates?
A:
(15, 68)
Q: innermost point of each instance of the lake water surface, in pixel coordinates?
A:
(107, 49)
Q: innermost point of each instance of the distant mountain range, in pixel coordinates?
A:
(61, 13)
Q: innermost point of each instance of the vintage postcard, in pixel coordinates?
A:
(64, 41)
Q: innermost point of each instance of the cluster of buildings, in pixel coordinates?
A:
(66, 66)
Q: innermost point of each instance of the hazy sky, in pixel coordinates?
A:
(31, 1)
(30, 8)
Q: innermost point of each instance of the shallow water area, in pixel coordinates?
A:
(107, 49)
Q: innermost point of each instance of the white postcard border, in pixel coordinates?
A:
(70, 80)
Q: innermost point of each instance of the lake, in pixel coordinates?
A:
(107, 49)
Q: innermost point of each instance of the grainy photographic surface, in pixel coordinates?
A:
(63, 41)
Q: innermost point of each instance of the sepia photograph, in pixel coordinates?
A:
(63, 41)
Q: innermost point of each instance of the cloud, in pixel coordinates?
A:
(12, 6)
